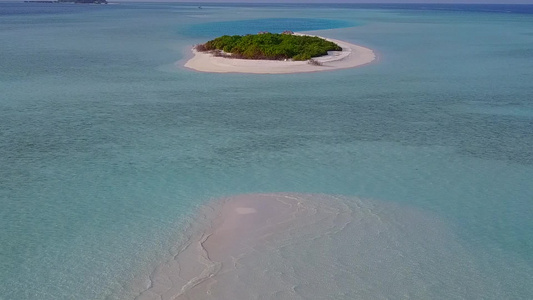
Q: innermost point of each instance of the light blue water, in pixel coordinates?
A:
(107, 148)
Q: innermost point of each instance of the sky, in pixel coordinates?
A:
(359, 1)
(338, 1)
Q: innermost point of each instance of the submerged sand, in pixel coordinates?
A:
(299, 246)
(351, 56)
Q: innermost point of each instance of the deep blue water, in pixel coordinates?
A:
(276, 25)
(18, 8)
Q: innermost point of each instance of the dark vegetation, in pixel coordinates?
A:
(68, 1)
(272, 46)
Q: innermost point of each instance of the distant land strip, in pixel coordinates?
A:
(68, 1)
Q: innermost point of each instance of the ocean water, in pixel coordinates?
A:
(109, 149)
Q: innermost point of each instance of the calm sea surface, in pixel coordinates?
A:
(108, 146)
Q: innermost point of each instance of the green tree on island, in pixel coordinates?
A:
(273, 46)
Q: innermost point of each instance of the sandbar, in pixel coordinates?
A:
(315, 246)
(351, 56)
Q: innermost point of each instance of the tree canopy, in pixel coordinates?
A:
(271, 46)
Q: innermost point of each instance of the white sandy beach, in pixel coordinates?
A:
(351, 56)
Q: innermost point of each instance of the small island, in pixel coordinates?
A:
(69, 1)
(272, 46)
(277, 53)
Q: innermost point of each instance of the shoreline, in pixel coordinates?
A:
(351, 56)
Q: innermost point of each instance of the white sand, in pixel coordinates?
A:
(351, 56)
(305, 246)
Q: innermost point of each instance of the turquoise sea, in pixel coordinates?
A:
(108, 146)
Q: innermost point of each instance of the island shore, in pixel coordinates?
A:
(351, 56)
